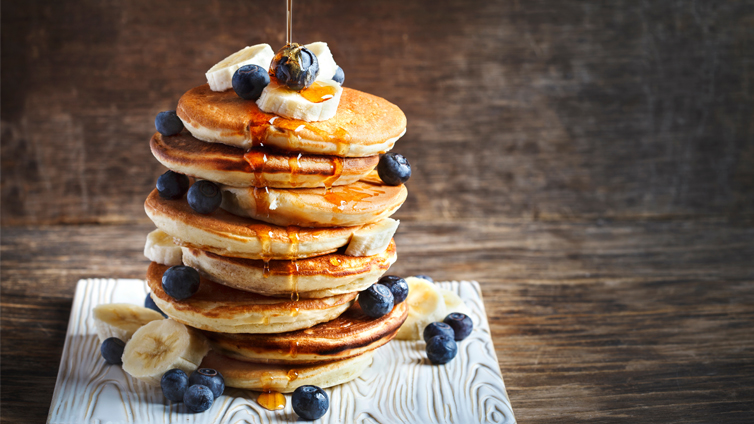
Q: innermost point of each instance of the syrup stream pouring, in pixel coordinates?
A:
(289, 23)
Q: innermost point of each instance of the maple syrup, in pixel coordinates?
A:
(261, 200)
(293, 283)
(257, 161)
(337, 170)
(271, 400)
(293, 352)
(295, 165)
(292, 374)
(318, 92)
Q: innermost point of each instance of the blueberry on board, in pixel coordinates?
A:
(198, 398)
(204, 197)
(460, 323)
(174, 384)
(168, 123)
(339, 76)
(438, 329)
(425, 277)
(295, 67)
(397, 285)
(393, 169)
(310, 402)
(180, 282)
(149, 304)
(172, 185)
(249, 81)
(376, 301)
(112, 350)
(210, 378)
(441, 349)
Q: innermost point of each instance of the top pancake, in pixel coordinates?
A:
(364, 125)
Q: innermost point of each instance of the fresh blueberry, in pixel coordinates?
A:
(172, 185)
(441, 349)
(376, 301)
(249, 81)
(168, 123)
(112, 350)
(397, 285)
(425, 277)
(210, 378)
(149, 303)
(438, 329)
(180, 282)
(198, 398)
(295, 67)
(460, 323)
(339, 76)
(204, 197)
(174, 384)
(310, 402)
(393, 169)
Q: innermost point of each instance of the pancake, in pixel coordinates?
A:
(226, 234)
(364, 125)
(322, 276)
(284, 378)
(219, 308)
(363, 202)
(351, 334)
(259, 167)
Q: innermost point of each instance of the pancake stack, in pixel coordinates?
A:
(303, 227)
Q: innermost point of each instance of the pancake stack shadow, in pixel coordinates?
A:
(303, 227)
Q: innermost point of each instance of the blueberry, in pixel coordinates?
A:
(198, 398)
(149, 303)
(204, 197)
(210, 378)
(310, 402)
(249, 81)
(425, 277)
(168, 123)
(180, 282)
(295, 67)
(376, 301)
(112, 350)
(172, 185)
(438, 329)
(460, 323)
(339, 76)
(174, 384)
(397, 285)
(393, 169)
(441, 349)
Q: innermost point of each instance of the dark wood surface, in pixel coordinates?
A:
(590, 163)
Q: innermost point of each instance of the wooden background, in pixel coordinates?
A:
(590, 163)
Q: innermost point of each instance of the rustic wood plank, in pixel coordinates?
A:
(611, 322)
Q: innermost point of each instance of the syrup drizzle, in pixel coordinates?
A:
(318, 92)
(270, 399)
(337, 170)
(257, 161)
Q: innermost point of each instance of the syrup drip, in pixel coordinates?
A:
(293, 353)
(259, 129)
(266, 320)
(293, 283)
(345, 195)
(295, 165)
(257, 161)
(261, 200)
(271, 401)
(337, 170)
(318, 92)
(292, 374)
(266, 242)
(335, 261)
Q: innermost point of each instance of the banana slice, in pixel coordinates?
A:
(453, 303)
(372, 239)
(121, 320)
(280, 100)
(161, 346)
(425, 305)
(160, 248)
(220, 76)
(327, 65)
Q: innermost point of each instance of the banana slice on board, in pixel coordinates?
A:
(121, 320)
(373, 238)
(453, 303)
(426, 305)
(161, 346)
(160, 248)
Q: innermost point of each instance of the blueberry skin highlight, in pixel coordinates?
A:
(172, 185)
(296, 68)
(460, 323)
(438, 329)
(204, 197)
(340, 76)
(198, 398)
(210, 378)
(174, 384)
(112, 350)
(180, 282)
(168, 123)
(393, 169)
(441, 349)
(310, 402)
(149, 304)
(376, 301)
(249, 81)
(397, 285)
